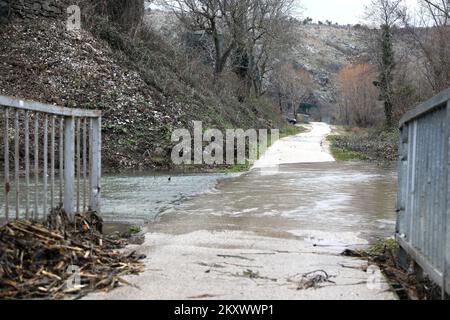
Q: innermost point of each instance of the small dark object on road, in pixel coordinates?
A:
(291, 121)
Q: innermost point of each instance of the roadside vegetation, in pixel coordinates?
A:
(290, 130)
(364, 144)
(374, 94)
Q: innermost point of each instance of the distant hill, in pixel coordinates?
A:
(323, 50)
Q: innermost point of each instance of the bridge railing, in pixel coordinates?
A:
(51, 159)
(423, 223)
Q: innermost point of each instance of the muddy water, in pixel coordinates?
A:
(328, 197)
(130, 198)
(337, 197)
(143, 198)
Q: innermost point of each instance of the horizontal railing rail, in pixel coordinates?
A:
(55, 153)
(437, 101)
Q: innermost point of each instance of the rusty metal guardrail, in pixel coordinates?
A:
(423, 222)
(66, 149)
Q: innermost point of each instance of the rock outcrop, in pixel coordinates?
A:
(31, 9)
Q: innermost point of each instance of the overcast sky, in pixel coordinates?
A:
(342, 11)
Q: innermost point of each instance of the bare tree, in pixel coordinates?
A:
(291, 86)
(439, 8)
(248, 31)
(357, 95)
(266, 33)
(430, 35)
(218, 18)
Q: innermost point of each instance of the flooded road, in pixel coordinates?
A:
(255, 235)
(333, 196)
(131, 198)
(140, 198)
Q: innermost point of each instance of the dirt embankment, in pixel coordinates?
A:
(41, 61)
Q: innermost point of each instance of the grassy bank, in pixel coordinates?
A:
(290, 130)
(355, 144)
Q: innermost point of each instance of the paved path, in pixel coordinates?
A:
(243, 241)
(309, 147)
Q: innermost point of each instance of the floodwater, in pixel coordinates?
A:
(333, 196)
(140, 198)
(130, 198)
(276, 225)
(340, 196)
(276, 222)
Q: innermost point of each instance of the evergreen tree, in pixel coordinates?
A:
(386, 77)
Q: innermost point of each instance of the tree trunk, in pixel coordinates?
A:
(388, 113)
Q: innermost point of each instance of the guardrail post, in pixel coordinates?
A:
(69, 165)
(95, 143)
(6, 159)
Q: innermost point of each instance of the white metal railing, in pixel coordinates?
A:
(423, 223)
(65, 170)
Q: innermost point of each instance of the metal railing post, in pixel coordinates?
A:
(6, 159)
(27, 164)
(45, 167)
(95, 139)
(36, 166)
(69, 165)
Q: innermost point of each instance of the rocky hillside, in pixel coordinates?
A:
(141, 105)
(323, 50)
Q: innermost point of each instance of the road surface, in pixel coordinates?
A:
(258, 236)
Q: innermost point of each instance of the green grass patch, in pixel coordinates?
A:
(381, 246)
(236, 168)
(342, 154)
(378, 249)
(291, 130)
(135, 230)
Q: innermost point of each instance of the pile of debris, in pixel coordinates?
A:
(61, 259)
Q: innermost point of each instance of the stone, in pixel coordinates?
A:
(30, 9)
(36, 6)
